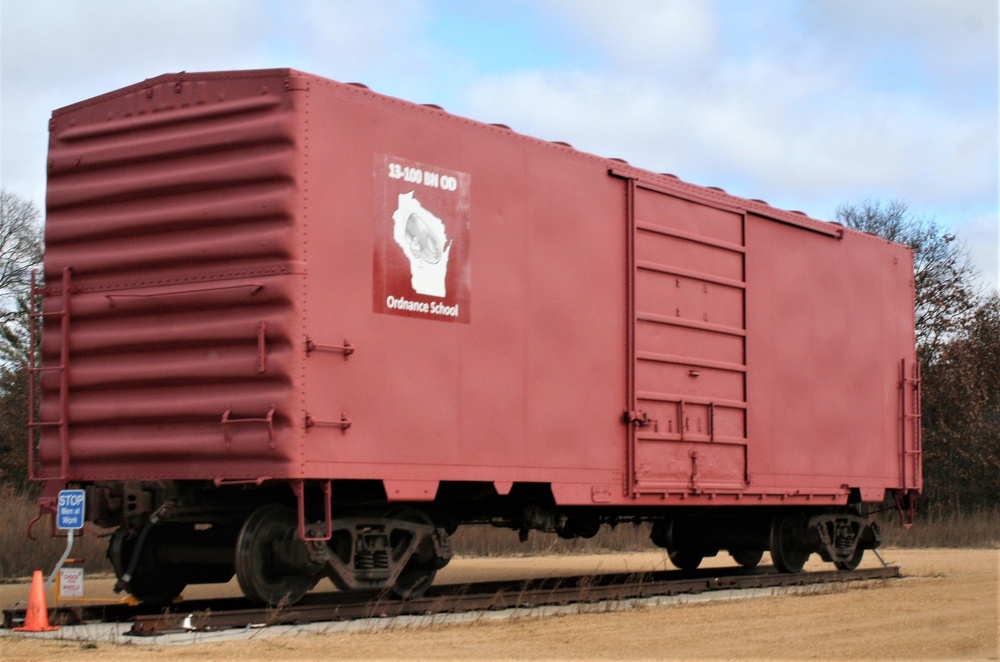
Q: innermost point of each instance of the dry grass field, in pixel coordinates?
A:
(946, 608)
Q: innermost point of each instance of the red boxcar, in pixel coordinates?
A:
(276, 303)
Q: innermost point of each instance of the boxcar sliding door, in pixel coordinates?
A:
(687, 343)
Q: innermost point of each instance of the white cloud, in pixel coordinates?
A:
(949, 40)
(650, 34)
(982, 238)
(98, 42)
(338, 38)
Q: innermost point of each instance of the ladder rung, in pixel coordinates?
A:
(39, 424)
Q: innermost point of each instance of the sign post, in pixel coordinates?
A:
(70, 512)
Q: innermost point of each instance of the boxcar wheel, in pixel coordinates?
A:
(150, 583)
(686, 559)
(748, 558)
(853, 562)
(786, 552)
(413, 582)
(267, 567)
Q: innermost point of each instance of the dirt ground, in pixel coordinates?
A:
(947, 608)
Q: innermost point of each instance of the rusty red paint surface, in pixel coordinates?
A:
(279, 276)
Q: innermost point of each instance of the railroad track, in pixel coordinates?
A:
(214, 615)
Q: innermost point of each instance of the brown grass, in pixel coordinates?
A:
(19, 556)
(945, 530)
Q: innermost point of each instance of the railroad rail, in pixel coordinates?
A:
(214, 615)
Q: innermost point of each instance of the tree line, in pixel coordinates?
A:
(958, 346)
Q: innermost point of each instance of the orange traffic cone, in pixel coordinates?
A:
(36, 618)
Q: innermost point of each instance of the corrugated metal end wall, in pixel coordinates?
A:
(172, 203)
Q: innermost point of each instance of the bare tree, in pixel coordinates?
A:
(21, 250)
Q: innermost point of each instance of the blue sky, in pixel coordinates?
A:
(808, 104)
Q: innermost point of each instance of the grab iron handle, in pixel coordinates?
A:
(254, 289)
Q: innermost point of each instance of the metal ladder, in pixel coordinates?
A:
(35, 372)
(910, 454)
